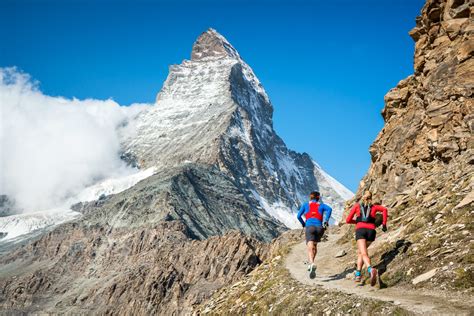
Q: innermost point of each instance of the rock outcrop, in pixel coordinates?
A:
(7, 206)
(423, 159)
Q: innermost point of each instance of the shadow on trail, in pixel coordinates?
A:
(339, 276)
(401, 246)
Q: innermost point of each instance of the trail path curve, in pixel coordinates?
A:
(332, 274)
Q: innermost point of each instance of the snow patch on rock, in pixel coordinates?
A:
(278, 210)
(112, 186)
(17, 225)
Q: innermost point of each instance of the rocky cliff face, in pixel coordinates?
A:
(7, 206)
(202, 198)
(423, 159)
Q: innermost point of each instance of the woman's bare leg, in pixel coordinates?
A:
(362, 248)
(360, 262)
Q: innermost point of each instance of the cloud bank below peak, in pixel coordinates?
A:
(51, 148)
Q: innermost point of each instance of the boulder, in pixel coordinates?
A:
(466, 50)
(424, 277)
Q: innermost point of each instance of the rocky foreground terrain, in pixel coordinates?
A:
(270, 289)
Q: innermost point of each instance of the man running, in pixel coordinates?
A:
(317, 217)
(365, 232)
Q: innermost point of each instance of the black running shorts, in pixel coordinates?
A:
(314, 233)
(365, 233)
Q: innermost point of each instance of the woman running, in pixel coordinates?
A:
(365, 232)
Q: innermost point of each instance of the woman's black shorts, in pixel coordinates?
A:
(365, 233)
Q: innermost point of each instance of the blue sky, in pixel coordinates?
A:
(326, 65)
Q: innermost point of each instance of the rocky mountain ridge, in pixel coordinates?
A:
(157, 269)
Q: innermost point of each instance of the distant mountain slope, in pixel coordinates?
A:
(15, 228)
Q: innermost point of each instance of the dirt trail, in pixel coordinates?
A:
(330, 274)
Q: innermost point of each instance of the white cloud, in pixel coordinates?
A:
(52, 147)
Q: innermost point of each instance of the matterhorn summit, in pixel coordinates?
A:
(207, 155)
(213, 113)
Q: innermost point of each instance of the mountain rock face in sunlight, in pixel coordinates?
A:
(223, 183)
(423, 159)
(213, 111)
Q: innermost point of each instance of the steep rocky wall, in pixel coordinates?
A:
(205, 200)
(423, 159)
(429, 117)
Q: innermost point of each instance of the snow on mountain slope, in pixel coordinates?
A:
(21, 224)
(278, 210)
(17, 225)
(330, 187)
(191, 111)
(112, 186)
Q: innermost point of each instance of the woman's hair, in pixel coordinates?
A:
(368, 194)
(314, 195)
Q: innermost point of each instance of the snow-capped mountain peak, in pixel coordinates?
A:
(212, 119)
(212, 110)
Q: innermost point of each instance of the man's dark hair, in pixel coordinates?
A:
(314, 195)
